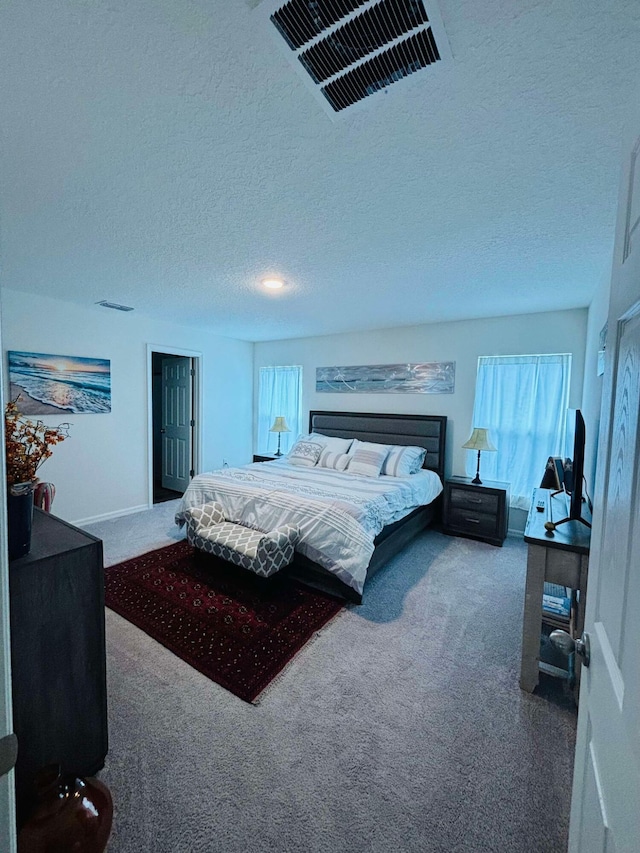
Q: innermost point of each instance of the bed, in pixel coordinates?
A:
(351, 525)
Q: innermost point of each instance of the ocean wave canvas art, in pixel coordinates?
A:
(433, 377)
(52, 384)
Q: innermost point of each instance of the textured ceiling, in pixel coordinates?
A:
(164, 154)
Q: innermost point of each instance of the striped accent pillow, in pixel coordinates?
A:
(367, 461)
(368, 445)
(336, 461)
(403, 461)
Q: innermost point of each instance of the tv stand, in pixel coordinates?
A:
(550, 524)
(564, 521)
(561, 557)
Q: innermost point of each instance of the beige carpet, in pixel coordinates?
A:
(401, 728)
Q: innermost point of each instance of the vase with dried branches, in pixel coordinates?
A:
(27, 446)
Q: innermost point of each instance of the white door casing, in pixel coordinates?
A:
(198, 413)
(176, 428)
(605, 808)
(7, 789)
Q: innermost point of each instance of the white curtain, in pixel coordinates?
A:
(279, 395)
(522, 400)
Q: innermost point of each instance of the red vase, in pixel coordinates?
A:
(71, 815)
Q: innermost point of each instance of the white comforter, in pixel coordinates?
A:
(338, 514)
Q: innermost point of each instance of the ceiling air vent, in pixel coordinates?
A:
(114, 305)
(301, 20)
(353, 48)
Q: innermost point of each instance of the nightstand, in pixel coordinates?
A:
(479, 512)
(263, 457)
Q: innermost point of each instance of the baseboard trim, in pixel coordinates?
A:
(107, 516)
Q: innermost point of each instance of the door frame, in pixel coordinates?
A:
(8, 831)
(197, 408)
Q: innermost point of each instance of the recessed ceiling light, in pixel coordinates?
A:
(272, 283)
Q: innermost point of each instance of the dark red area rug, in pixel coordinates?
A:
(237, 629)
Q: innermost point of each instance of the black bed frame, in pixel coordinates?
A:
(428, 431)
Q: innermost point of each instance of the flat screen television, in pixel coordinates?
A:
(574, 476)
(575, 508)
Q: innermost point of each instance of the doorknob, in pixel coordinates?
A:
(163, 431)
(566, 644)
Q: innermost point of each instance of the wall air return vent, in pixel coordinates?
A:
(353, 48)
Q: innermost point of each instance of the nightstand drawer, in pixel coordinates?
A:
(476, 501)
(477, 511)
(472, 522)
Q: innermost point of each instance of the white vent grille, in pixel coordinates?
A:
(302, 20)
(115, 306)
(353, 48)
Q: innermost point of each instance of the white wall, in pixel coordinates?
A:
(592, 390)
(462, 342)
(102, 469)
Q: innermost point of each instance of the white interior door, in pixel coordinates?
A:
(176, 427)
(605, 809)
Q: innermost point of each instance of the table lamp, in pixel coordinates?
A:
(279, 426)
(479, 440)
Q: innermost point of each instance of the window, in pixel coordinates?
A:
(279, 395)
(522, 400)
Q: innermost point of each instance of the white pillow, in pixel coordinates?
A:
(403, 460)
(336, 445)
(335, 461)
(368, 459)
(305, 453)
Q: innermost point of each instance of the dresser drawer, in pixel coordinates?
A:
(472, 522)
(476, 501)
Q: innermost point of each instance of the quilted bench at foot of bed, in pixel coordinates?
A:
(264, 554)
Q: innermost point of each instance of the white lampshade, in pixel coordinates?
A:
(279, 425)
(479, 440)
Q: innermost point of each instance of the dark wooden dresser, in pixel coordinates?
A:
(58, 654)
(478, 512)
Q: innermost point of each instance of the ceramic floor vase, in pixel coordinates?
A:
(72, 815)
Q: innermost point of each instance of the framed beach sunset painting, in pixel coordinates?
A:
(51, 384)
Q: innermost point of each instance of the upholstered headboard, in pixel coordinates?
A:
(428, 431)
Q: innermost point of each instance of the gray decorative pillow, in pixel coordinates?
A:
(403, 460)
(305, 453)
